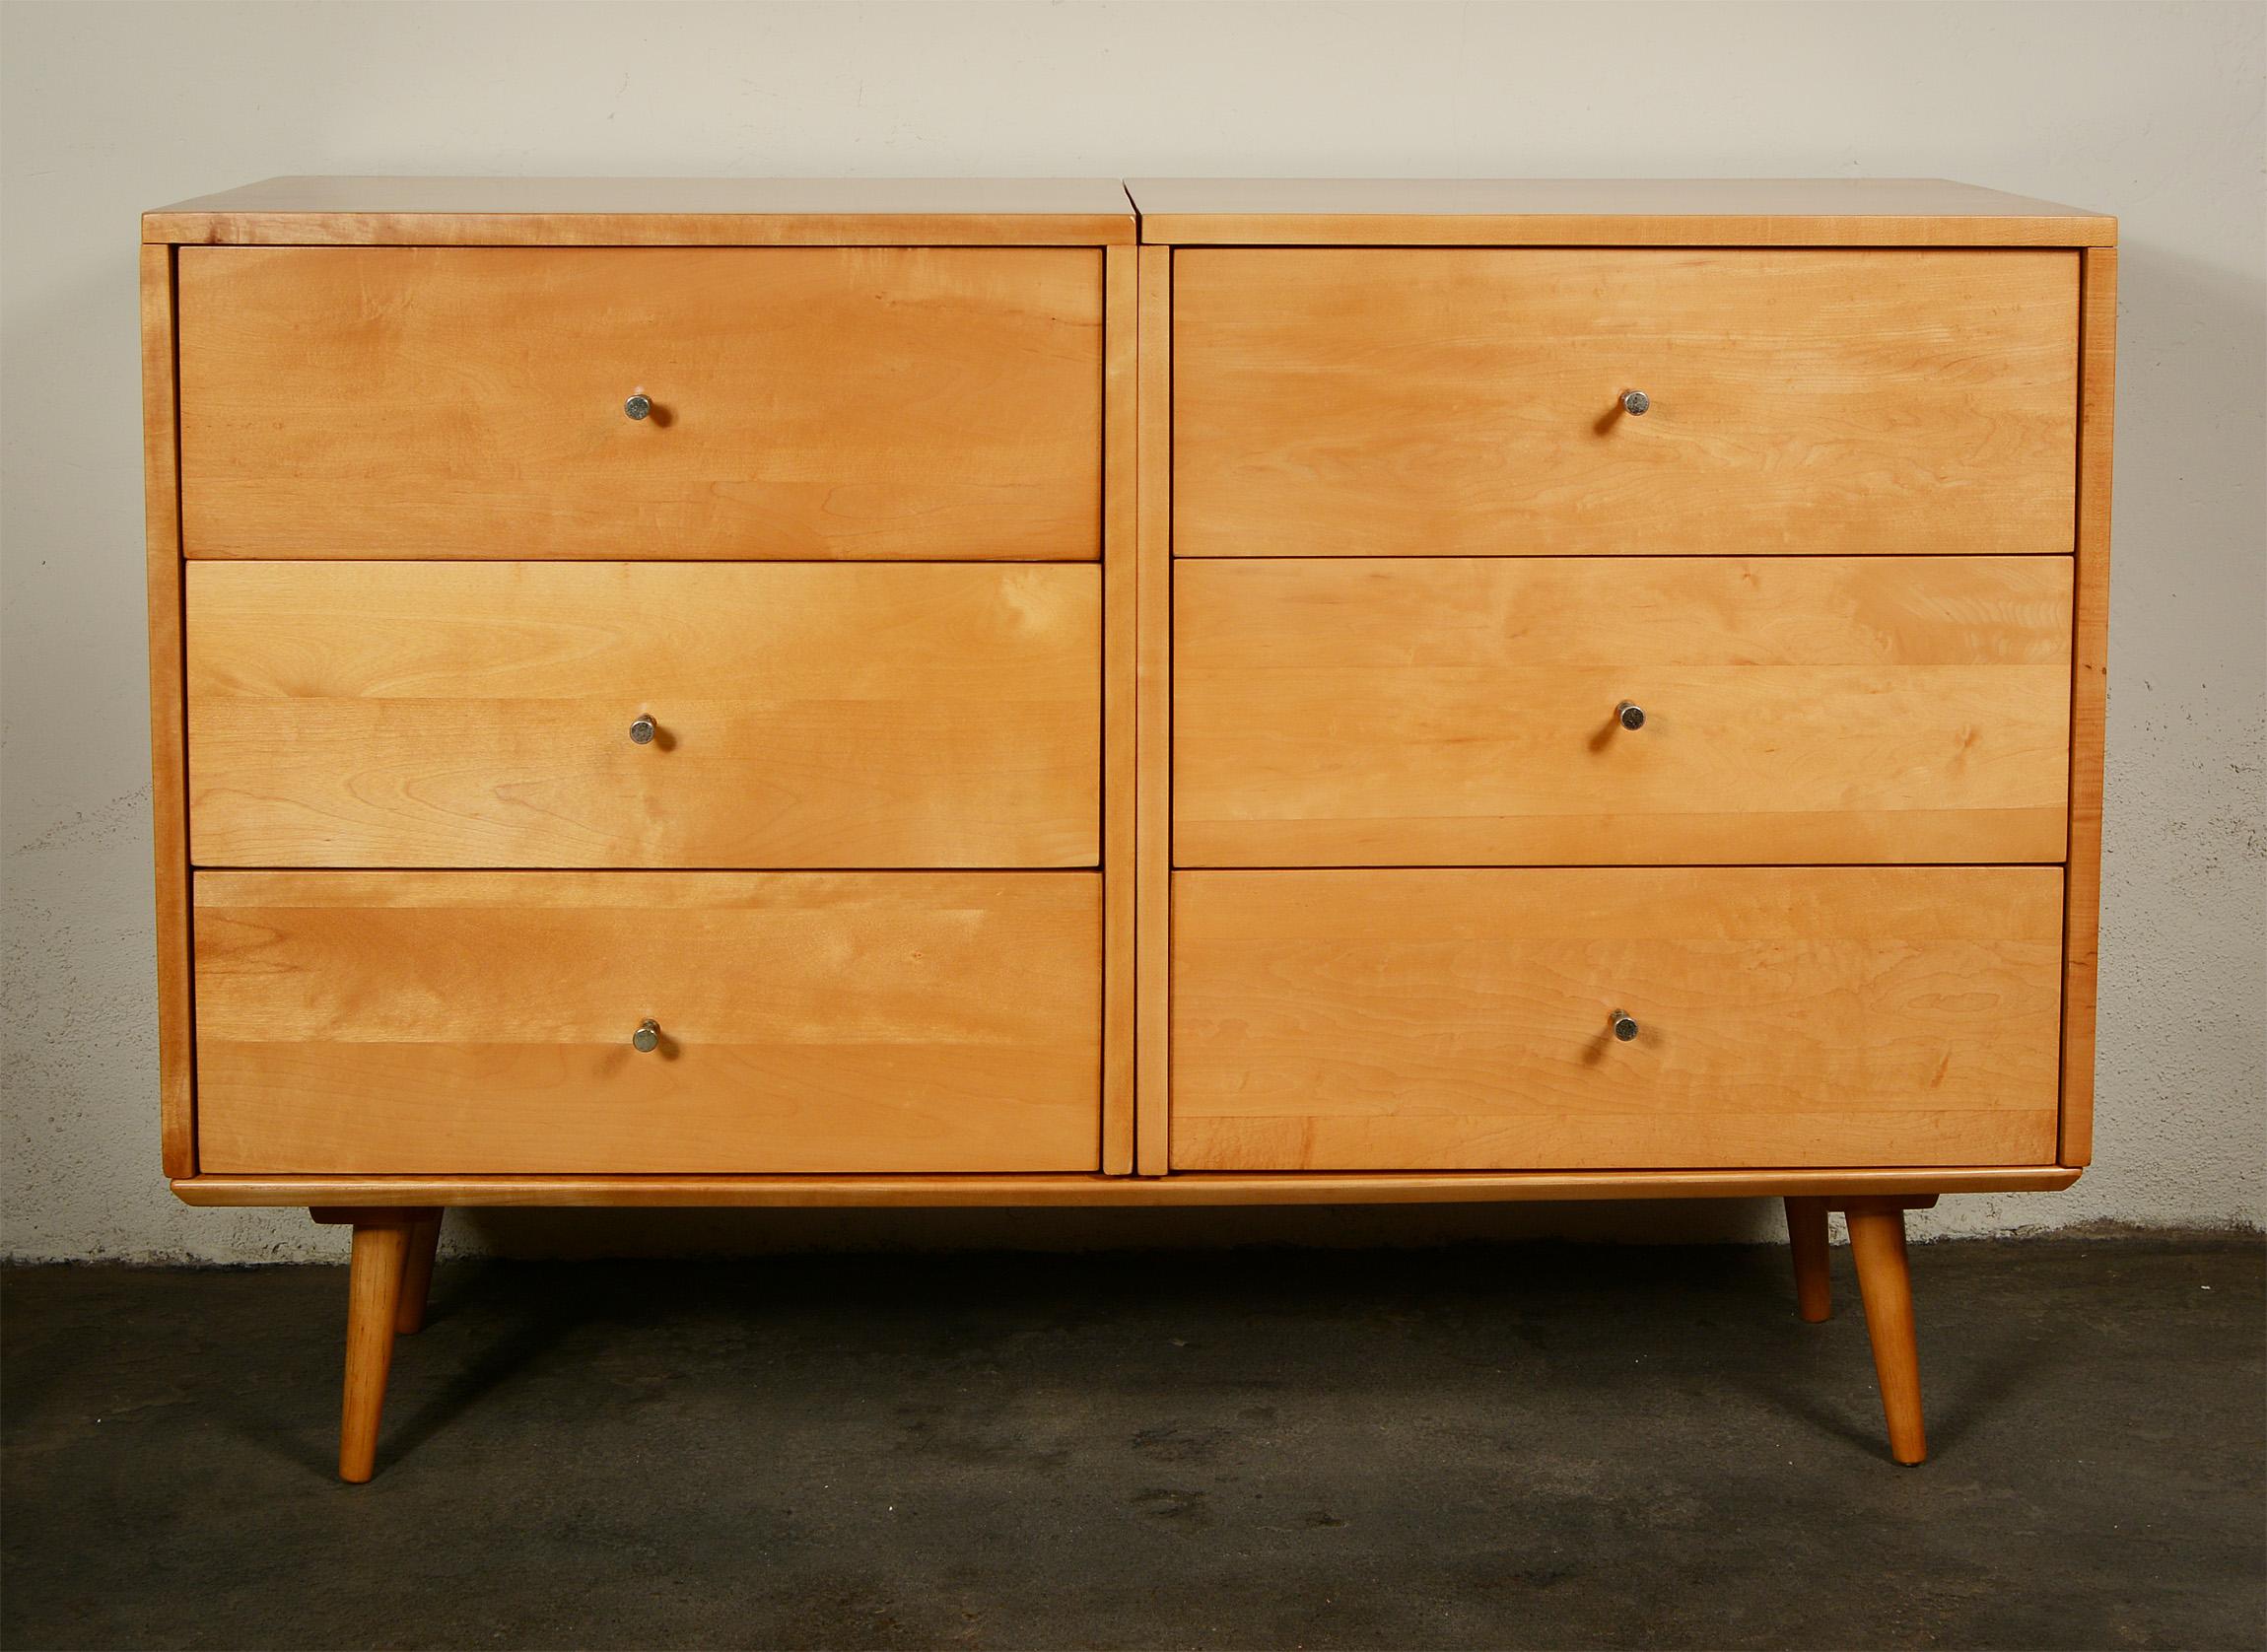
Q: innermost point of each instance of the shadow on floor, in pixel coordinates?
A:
(1481, 1446)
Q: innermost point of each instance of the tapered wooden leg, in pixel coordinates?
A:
(1806, 1236)
(373, 1301)
(1878, 1243)
(417, 1275)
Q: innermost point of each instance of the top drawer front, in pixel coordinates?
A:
(806, 402)
(1399, 402)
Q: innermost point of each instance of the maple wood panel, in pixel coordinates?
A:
(1460, 1019)
(1378, 710)
(2090, 690)
(933, 403)
(1604, 212)
(169, 781)
(1189, 1188)
(1119, 743)
(1373, 401)
(380, 1024)
(654, 212)
(807, 714)
(1154, 692)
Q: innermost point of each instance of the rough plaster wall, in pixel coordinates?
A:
(2152, 111)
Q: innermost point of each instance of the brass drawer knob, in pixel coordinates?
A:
(1630, 714)
(639, 405)
(1634, 402)
(1624, 1027)
(647, 1037)
(642, 731)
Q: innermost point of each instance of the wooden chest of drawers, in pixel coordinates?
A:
(838, 693)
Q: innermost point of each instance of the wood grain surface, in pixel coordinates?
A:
(1463, 712)
(1121, 602)
(654, 212)
(1189, 1188)
(393, 1023)
(808, 402)
(807, 714)
(1604, 212)
(1460, 1019)
(168, 741)
(2089, 705)
(1154, 691)
(1412, 402)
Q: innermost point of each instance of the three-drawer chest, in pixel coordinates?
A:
(1051, 692)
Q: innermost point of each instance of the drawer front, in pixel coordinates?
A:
(473, 1023)
(806, 402)
(1460, 1019)
(1465, 712)
(481, 715)
(1412, 402)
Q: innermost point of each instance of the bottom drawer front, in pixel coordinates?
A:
(365, 1023)
(1460, 1020)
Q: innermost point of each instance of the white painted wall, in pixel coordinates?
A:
(2149, 111)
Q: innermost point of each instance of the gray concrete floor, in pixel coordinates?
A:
(1475, 1447)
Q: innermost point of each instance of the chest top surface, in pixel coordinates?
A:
(1086, 212)
(1604, 212)
(653, 212)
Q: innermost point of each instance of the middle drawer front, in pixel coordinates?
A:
(1467, 711)
(375, 1023)
(1464, 1019)
(802, 715)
